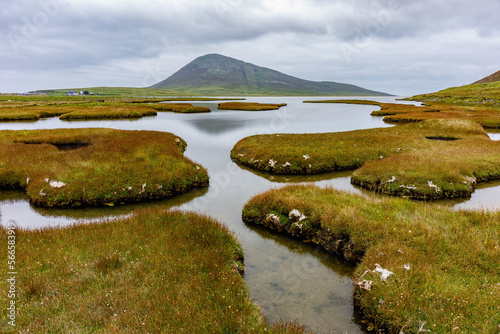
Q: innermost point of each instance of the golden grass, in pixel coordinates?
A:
(445, 265)
(249, 106)
(421, 160)
(186, 108)
(158, 271)
(75, 111)
(82, 167)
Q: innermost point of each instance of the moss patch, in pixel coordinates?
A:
(85, 167)
(158, 271)
(421, 266)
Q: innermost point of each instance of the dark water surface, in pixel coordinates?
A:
(287, 278)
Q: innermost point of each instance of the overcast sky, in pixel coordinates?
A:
(402, 47)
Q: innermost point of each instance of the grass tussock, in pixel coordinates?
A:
(158, 271)
(404, 161)
(442, 267)
(88, 167)
(249, 106)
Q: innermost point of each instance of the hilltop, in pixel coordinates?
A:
(214, 74)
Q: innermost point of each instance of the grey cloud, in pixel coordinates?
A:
(66, 34)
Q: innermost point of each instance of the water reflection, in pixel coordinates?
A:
(15, 207)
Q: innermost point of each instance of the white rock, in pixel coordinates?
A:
(384, 273)
(366, 285)
(57, 184)
(272, 163)
(272, 217)
(287, 164)
(391, 180)
(296, 215)
(306, 157)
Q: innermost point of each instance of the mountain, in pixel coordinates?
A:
(490, 78)
(214, 74)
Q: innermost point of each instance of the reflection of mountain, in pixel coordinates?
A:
(215, 74)
(218, 125)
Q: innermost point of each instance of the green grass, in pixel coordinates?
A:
(451, 282)
(249, 106)
(96, 166)
(406, 160)
(157, 271)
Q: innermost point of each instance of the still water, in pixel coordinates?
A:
(286, 278)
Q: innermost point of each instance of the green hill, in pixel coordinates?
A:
(214, 74)
(485, 92)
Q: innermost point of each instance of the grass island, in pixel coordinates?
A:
(89, 167)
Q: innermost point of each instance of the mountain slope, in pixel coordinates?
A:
(490, 78)
(217, 74)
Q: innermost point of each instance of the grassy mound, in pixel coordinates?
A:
(428, 160)
(84, 167)
(82, 111)
(156, 272)
(186, 108)
(111, 111)
(421, 267)
(249, 106)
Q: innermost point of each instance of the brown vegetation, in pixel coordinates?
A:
(81, 167)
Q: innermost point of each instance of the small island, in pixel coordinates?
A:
(92, 167)
(249, 106)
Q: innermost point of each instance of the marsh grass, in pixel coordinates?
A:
(445, 264)
(82, 111)
(185, 108)
(249, 106)
(487, 94)
(157, 271)
(88, 167)
(399, 161)
(397, 113)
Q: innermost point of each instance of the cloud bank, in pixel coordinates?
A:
(398, 46)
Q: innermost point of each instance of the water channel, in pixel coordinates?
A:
(286, 278)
